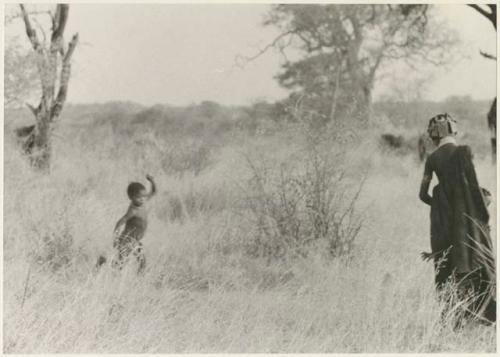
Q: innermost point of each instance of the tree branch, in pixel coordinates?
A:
(376, 65)
(33, 109)
(41, 58)
(487, 55)
(492, 16)
(71, 48)
(24, 131)
(480, 10)
(10, 18)
(64, 80)
(40, 28)
(30, 32)
(273, 44)
(55, 17)
(61, 18)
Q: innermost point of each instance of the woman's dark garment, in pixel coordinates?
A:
(459, 221)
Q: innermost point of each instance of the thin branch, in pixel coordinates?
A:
(487, 55)
(11, 18)
(33, 109)
(8, 100)
(64, 80)
(30, 32)
(375, 66)
(282, 48)
(61, 18)
(26, 282)
(492, 16)
(71, 48)
(270, 45)
(55, 18)
(480, 10)
(40, 28)
(62, 48)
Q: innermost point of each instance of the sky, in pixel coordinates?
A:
(183, 54)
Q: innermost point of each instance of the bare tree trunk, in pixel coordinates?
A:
(51, 103)
(492, 125)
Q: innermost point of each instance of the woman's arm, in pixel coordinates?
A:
(424, 185)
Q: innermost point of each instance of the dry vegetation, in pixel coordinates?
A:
(261, 239)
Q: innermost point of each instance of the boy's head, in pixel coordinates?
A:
(137, 193)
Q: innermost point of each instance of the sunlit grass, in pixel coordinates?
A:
(200, 291)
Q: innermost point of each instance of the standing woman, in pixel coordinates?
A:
(460, 241)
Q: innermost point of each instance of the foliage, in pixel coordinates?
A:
(304, 203)
(20, 75)
(342, 48)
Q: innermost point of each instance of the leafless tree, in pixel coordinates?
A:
(490, 13)
(53, 62)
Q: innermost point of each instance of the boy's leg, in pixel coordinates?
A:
(117, 260)
(100, 261)
(124, 250)
(142, 263)
(141, 258)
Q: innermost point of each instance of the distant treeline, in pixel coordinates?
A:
(211, 117)
(468, 112)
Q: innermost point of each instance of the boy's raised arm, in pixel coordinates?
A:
(153, 185)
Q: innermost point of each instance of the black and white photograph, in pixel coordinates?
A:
(249, 178)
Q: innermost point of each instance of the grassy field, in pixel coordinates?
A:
(219, 277)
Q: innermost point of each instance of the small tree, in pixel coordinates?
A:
(53, 62)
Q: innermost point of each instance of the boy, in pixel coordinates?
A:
(135, 221)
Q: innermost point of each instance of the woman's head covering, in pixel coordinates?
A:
(442, 125)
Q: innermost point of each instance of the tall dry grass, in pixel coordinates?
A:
(202, 291)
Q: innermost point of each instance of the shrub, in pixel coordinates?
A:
(294, 209)
(192, 203)
(51, 235)
(188, 155)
